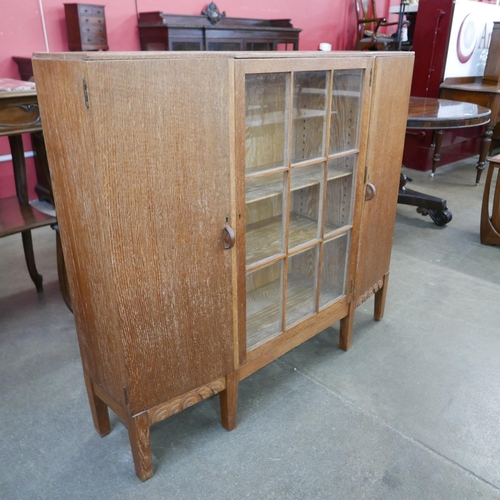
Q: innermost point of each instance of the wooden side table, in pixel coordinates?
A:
(437, 114)
(490, 224)
(484, 94)
(19, 114)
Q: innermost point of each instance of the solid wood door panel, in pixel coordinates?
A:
(169, 192)
(389, 112)
(84, 233)
(162, 198)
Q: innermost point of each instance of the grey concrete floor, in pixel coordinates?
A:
(412, 411)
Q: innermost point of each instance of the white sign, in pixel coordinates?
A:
(470, 38)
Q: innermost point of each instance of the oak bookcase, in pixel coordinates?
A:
(217, 210)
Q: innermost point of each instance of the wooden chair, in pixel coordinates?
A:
(490, 221)
(368, 24)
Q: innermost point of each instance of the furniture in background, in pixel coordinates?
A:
(484, 91)
(450, 41)
(214, 32)
(237, 220)
(86, 27)
(437, 115)
(42, 188)
(25, 67)
(367, 26)
(19, 114)
(490, 221)
(410, 12)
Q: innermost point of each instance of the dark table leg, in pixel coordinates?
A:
(19, 164)
(436, 208)
(438, 141)
(483, 151)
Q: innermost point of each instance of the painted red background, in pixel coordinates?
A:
(21, 33)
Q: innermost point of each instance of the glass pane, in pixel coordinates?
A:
(224, 46)
(346, 107)
(260, 46)
(309, 115)
(264, 217)
(306, 194)
(334, 267)
(264, 311)
(339, 193)
(301, 286)
(266, 101)
(186, 45)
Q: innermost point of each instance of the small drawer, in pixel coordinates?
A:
(92, 20)
(18, 116)
(91, 29)
(85, 10)
(94, 39)
(90, 10)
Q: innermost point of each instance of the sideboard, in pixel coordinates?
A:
(159, 31)
(216, 211)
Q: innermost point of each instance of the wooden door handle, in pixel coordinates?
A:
(370, 191)
(229, 238)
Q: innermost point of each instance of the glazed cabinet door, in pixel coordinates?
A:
(299, 131)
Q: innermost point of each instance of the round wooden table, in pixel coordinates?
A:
(439, 115)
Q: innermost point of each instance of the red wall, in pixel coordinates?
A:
(21, 33)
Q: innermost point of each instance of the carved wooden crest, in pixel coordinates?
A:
(213, 14)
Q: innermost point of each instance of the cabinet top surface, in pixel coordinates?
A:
(98, 56)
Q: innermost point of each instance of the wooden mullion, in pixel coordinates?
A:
(239, 121)
(263, 173)
(286, 198)
(348, 152)
(304, 247)
(325, 184)
(306, 163)
(265, 263)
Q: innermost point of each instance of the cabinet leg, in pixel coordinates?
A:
(229, 402)
(61, 271)
(98, 408)
(30, 260)
(140, 442)
(380, 297)
(346, 328)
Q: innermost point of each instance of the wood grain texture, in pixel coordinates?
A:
(98, 409)
(370, 292)
(149, 173)
(391, 91)
(490, 220)
(16, 217)
(176, 405)
(83, 220)
(140, 442)
(229, 402)
(153, 202)
(276, 347)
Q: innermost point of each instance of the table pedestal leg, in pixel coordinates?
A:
(483, 152)
(436, 208)
(438, 141)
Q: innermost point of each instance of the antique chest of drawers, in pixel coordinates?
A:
(86, 27)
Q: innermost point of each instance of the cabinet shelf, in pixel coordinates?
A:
(264, 320)
(262, 189)
(260, 169)
(302, 229)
